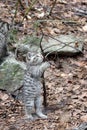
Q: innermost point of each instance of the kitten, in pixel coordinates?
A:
(32, 86)
(4, 27)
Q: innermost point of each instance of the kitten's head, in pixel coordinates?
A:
(34, 58)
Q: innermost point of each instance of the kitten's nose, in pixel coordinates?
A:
(41, 56)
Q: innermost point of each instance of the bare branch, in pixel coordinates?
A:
(43, 81)
(61, 47)
(54, 3)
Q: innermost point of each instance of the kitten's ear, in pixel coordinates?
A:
(30, 54)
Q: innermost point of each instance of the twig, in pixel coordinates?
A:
(54, 3)
(15, 13)
(22, 6)
(41, 42)
(28, 9)
(61, 47)
(43, 81)
(55, 50)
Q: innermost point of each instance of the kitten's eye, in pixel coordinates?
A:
(34, 58)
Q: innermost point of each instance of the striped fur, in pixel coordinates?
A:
(32, 86)
(4, 27)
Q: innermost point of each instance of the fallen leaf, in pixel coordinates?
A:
(85, 28)
(84, 118)
(3, 96)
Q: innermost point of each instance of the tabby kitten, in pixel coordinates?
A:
(4, 27)
(32, 85)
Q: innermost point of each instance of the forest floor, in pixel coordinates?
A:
(66, 80)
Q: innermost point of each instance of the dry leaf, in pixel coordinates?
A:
(85, 28)
(3, 96)
(84, 118)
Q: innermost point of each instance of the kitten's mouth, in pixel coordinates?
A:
(41, 60)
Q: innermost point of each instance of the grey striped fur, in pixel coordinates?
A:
(4, 27)
(32, 85)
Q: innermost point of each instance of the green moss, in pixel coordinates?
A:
(31, 40)
(11, 75)
(12, 36)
